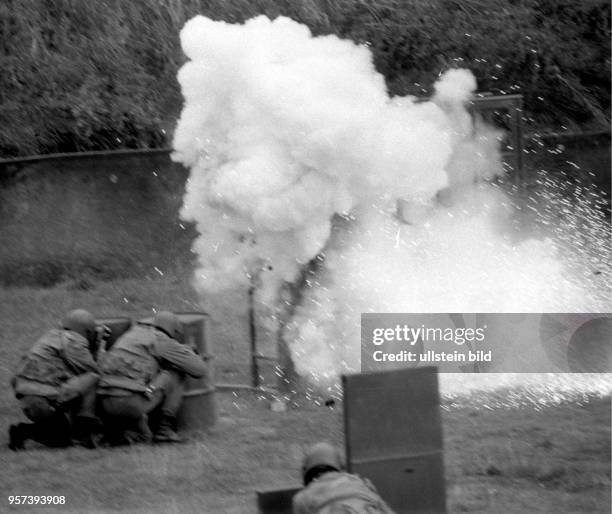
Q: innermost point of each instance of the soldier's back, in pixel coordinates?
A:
(339, 493)
(130, 363)
(138, 339)
(50, 344)
(43, 368)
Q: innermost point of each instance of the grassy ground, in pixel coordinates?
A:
(550, 460)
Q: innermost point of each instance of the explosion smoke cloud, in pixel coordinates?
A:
(283, 131)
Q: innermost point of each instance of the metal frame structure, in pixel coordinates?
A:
(486, 105)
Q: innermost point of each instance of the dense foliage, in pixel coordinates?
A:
(80, 75)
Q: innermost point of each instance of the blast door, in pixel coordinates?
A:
(393, 436)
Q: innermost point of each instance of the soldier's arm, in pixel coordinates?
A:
(180, 357)
(78, 357)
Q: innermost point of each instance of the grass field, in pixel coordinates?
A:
(554, 459)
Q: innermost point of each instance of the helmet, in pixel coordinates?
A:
(169, 323)
(323, 456)
(82, 322)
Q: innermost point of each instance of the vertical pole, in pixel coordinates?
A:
(347, 411)
(518, 144)
(207, 351)
(288, 297)
(253, 337)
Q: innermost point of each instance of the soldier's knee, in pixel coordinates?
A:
(167, 379)
(123, 407)
(37, 408)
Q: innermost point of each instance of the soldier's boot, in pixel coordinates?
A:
(83, 431)
(21, 432)
(18, 435)
(139, 431)
(113, 436)
(165, 432)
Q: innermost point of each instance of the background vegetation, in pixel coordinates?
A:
(80, 75)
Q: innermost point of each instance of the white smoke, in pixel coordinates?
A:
(457, 260)
(283, 130)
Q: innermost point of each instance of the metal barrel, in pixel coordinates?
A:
(198, 410)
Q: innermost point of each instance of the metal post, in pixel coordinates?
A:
(253, 337)
(518, 121)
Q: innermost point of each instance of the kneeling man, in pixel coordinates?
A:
(142, 375)
(55, 384)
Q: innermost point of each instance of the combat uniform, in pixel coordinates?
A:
(57, 378)
(144, 372)
(336, 492)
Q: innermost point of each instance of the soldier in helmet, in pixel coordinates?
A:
(329, 489)
(143, 375)
(55, 384)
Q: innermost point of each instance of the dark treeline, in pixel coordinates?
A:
(79, 75)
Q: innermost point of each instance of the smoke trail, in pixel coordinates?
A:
(282, 131)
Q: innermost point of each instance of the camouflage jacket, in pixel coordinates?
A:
(55, 358)
(339, 493)
(138, 356)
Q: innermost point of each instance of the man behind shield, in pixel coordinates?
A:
(143, 377)
(329, 489)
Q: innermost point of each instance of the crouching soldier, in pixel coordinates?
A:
(55, 384)
(329, 489)
(143, 377)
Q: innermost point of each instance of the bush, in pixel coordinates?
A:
(554, 52)
(101, 75)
